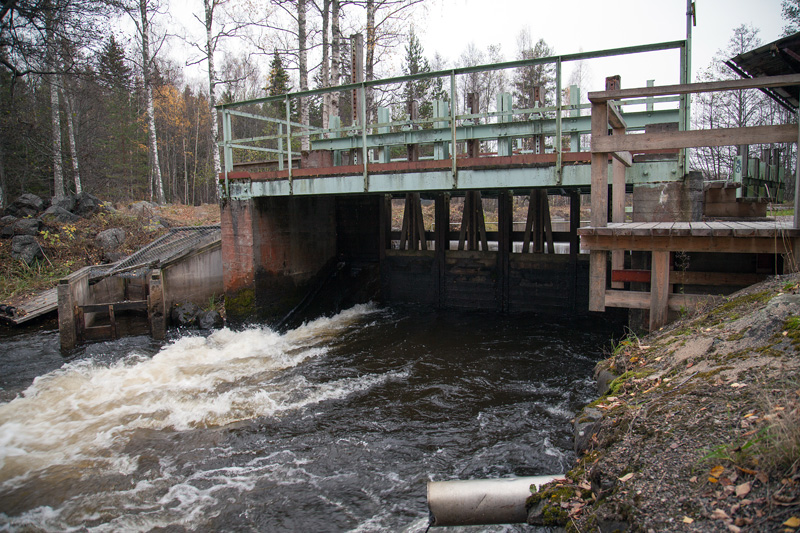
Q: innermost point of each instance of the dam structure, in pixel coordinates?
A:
(470, 200)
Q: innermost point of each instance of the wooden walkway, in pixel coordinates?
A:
(36, 306)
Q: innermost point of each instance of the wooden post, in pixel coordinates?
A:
(617, 191)
(659, 290)
(67, 331)
(797, 180)
(442, 243)
(155, 306)
(599, 205)
(504, 222)
(574, 244)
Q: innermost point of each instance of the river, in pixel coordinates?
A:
(333, 426)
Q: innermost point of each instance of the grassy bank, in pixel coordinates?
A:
(700, 431)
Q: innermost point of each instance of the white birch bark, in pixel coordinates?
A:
(302, 37)
(73, 150)
(212, 90)
(151, 114)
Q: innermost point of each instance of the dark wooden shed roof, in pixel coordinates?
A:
(773, 59)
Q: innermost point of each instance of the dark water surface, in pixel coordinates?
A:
(334, 426)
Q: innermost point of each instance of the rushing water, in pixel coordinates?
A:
(333, 426)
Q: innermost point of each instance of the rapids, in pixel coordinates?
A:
(333, 426)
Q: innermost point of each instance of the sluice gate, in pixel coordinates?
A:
(473, 203)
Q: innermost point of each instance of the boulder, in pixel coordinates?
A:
(584, 428)
(7, 225)
(59, 214)
(86, 204)
(185, 314)
(26, 248)
(27, 226)
(67, 203)
(110, 239)
(26, 205)
(144, 209)
(209, 320)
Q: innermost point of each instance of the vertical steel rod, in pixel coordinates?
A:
(289, 143)
(453, 151)
(557, 144)
(363, 96)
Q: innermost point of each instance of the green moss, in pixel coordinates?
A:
(733, 308)
(240, 305)
(792, 329)
(616, 385)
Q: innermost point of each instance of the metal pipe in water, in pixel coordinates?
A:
(481, 501)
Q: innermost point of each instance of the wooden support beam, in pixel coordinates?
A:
(786, 133)
(548, 223)
(441, 243)
(597, 280)
(641, 300)
(659, 290)
(615, 119)
(599, 177)
(526, 239)
(624, 158)
(690, 88)
(721, 244)
(678, 277)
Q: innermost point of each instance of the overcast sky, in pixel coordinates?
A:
(574, 25)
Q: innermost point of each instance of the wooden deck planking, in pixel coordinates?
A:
(41, 304)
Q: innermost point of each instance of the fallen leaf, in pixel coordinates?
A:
(743, 489)
(585, 485)
(717, 471)
(687, 520)
(734, 529)
(792, 522)
(748, 415)
(712, 479)
(738, 385)
(746, 471)
(762, 477)
(693, 479)
(611, 398)
(626, 477)
(719, 514)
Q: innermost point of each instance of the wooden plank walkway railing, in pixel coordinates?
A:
(661, 239)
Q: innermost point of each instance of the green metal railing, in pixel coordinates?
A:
(449, 127)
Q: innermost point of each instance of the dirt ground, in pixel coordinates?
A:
(700, 431)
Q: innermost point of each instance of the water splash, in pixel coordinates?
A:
(83, 410)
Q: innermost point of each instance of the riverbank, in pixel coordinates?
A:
(700, 431)
(68, 246)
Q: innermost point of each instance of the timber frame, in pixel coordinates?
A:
(662, 239)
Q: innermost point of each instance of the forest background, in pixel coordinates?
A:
(92, 99)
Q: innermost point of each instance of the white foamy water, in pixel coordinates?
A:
(85, 411)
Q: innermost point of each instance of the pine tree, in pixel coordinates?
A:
(278, 84)
(526, 78)
(416, 63)
(112, 68)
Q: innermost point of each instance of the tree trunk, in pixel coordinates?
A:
(151, 114)
(212, 92)
(55, 117)
(72, 145)
(303, 66)
(335, 56)
(369, 60)
(55, 120)
(326, 98)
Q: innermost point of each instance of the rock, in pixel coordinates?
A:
(113, 257)
(209, 320)
(7, 223)
(86, 204)
(142, 208)
(604, 379)
(26, 205)
(67, 203)
(59, 214)
(185, 315)
(27, 226)
(602, 484)
(584, 428)
(110, 239)
(26, 248)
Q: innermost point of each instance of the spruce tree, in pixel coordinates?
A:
(416, 63)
